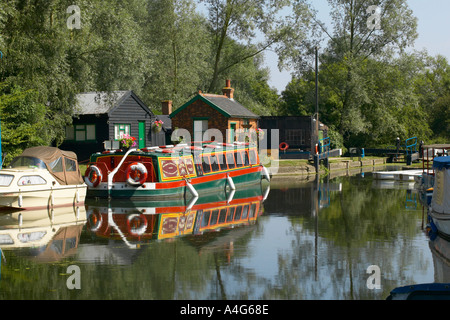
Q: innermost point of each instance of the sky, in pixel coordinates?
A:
(433, 29)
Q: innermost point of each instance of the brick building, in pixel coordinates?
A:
(212, 111)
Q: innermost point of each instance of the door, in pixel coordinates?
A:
(232, 132)
(141, 135)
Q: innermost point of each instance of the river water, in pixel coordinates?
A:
(346, 238)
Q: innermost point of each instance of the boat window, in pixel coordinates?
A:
(70, 164)
(252, 210)
(246, 162)
(198, 164)
(29, 162)
(5, 180)
(223, 215)
(56, 166)
(222, 162)
(214, 163)
(253, 158)
(31, 180)
(230, 160)
(238, 158)
(238, 213)
(206, 164)
(230, 214)
(205, 218)
(245, 212)
(214, 216)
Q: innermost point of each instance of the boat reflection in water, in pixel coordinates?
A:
(440, 289)
(135, 223)
(45, 235)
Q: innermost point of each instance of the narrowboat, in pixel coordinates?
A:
(40, 178)
(180, 171)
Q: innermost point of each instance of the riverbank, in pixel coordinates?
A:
(292, 167)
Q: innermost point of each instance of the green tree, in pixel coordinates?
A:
(352, 42)
(247, 22)
(178, 44)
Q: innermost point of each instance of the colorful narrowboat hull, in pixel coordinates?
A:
(173, 172)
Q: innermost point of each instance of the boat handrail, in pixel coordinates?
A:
(113, 173)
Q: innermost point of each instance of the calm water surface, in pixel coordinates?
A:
(306, 240)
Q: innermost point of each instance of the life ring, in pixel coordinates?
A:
(136, 224)
(95, 220)
(136, 174)
(93, 176)
(284, 146)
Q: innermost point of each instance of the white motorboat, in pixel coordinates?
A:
(42, 177)
(439, 210)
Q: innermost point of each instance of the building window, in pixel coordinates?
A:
(295, 136)
(81, 132)
(120, 129)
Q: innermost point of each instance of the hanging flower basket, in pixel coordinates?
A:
(260, 133)
(157, 125)
(127, 142)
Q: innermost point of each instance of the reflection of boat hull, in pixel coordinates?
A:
(37, 228)
(150, 221)
(427, 291)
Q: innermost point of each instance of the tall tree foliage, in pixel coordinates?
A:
(261, 24)
(179, 42)
(364, 73)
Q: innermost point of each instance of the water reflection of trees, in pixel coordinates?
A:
(362, 226)
(327, 256)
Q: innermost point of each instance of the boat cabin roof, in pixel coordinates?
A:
(205, 146)
(200, 146)
(441, 162)
(62, 165)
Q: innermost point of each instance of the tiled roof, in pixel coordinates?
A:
(98, 102)
(228, 107)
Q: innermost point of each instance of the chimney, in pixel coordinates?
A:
(166, 107)
(228, 90)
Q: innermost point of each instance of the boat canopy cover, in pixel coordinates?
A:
(441, 163)
(63, 165)
(441, 194)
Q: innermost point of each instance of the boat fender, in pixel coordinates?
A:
(136, 174)
(191, 189)
(266, 173)
(137, 224)
(93, 176)
(284, 146)
(231, 183)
